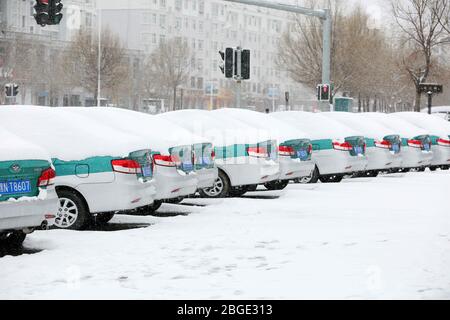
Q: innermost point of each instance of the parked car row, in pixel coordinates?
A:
(73, 167)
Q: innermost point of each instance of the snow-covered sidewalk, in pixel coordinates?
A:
(387, 237)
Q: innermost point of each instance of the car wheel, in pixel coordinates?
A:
(313, 178)
(252, 188)
(220, 189)
(445, 167)
(104, 218)
(13, 240)
(276, 185)
(433, 168)
(331, 179)
(72, 212)
(155, 205)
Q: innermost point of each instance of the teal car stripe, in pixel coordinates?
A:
(322, 144)
(93, 165)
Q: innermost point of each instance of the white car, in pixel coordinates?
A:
(183, 161)
(337, 149)
(294, 148)
(416, 142)
(440, 136)
(99, 171)
(245, 156)
(383, 145)
(28, 199)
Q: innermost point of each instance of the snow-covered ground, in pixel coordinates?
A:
(387, 237)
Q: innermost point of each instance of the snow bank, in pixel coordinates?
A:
(14, 148)
(221, 129)
(278, 129)
(67, 136)
(434, 125)
(159, 133)
(402, 127)
(368, 127)
(316, 125)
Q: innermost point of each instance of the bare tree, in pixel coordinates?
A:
(82, 63)
(422, 27)
(167, 68)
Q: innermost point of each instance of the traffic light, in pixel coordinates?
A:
(48, 12)
(324, 92)
(11, 90)
(245, 65)
(42, 12)
(55, 11)
(227, 65)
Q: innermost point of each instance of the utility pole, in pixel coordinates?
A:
(238, 77)
(324, 15)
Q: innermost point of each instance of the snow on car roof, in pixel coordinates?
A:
(278, 129)
(67, 136)
(160, 133)
(369, 127)
(220, 128)
(403, 127)
(434, 125)
(13, 147)
(316, 125)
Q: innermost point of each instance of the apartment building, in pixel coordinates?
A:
(208, 26)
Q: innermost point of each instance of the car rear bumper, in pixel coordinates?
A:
(382, 159)
(332, 162)
(414, 157)
(441, 156)
(206, 177)
(29, 213)
(250, 171)
(125, 193)
(295, 168)
(172, 184)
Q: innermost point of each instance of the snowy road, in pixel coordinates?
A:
(387, 237)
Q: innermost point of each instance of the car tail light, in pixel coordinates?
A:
(345, 146)
(126, 166)
(213, 155)
(286, 151)
(165, 161)
(415, 144)
(258, 152)
(310, 149)
(443, 142)
(383, 144)
(47, 178)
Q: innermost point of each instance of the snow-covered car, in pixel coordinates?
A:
(183, 162)
(337, 149)
(28, 199)
(99, 171)
(416, 142)
(294, 148)
(439, 130)
(383, 145)
(245, 157)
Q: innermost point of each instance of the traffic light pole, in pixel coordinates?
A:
(324, 15)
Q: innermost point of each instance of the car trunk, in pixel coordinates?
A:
(300, 149)
(145, 160)
(203, 156)
(358, 144)
(20, 178)
(182, 157)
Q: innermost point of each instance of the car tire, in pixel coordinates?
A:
(155, 205)
(221, 188)
(433, 168)
(13, 240)
(72, 213)
(313, 178)
(331, 179)
(276, 185)
(103, 218)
